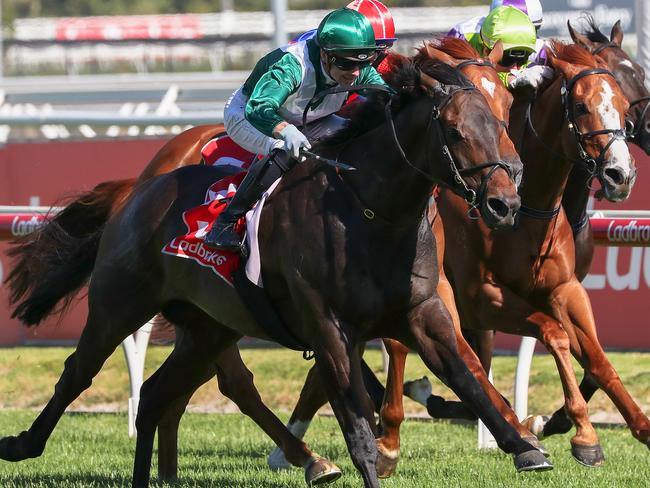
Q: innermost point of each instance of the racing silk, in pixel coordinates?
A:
(285, 80)
(470, 30)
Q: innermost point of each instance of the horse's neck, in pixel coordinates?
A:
(547, 163)
(384, 182)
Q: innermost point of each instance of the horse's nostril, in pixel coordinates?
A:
(615, 175)
(498, 207)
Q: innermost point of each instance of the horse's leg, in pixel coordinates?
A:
(190, 364)
(236, 382)
(392, 410)
(339, 365)
(106, 326)
(588, 351)
(559, 422)
(432, 334)
(519, 317)
(312, 398)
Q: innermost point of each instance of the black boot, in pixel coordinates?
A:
(260, 177)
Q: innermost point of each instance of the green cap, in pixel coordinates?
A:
(347, 33)
(510, 26)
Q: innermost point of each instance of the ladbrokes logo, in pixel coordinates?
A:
(21, 226)
(199, 250)
(630, 232)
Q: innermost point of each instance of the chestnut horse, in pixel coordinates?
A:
(312, 294)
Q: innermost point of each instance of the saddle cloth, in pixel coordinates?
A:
(198, 221)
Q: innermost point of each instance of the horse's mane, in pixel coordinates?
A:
(453, 46)
(574, 54)
(592, 31)
(405, 79)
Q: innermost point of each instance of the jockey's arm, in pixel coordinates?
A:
(269, 93)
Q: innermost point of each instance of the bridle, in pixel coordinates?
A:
(634, 130)
(566, 92)
(584, 158)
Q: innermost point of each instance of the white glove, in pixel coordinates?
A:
(294, 140)
(533, 76)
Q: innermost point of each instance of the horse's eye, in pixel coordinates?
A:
(581, 109)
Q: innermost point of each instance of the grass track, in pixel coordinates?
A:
(217, 450)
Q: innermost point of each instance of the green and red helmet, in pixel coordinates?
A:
(347, 33)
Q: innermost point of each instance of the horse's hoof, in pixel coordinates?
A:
(386, 462)
(591, 456)
(12, 448)
(277, 461)
(535, 424)
(534, 441)
(319, 471)
(418, 390)
(532, 461)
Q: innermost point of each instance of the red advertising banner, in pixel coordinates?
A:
(185, 26)
(41, 173)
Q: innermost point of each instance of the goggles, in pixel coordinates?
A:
(514, 57)
(347, 64)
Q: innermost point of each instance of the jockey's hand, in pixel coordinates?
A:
(294, 140)
(532, 76)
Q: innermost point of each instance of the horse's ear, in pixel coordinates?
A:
(580, 39)
(437, 55)
(568, 70)
(496, 54)
(617, 34)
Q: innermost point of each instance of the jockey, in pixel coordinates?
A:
(523, 56)
(261, 116)
(382, 24)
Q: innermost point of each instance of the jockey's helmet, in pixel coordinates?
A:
(347, 33)
(510, 26)
(532, 8)
(380, 18)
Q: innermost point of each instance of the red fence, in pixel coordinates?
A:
(620, 277)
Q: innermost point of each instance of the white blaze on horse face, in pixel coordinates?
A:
(611, 119)
(489, 86)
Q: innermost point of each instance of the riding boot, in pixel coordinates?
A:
(259, 178)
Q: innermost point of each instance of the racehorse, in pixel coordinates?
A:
(388, 401)
(311, 287)
(630, 77)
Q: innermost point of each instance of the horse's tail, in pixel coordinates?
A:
(54, 262)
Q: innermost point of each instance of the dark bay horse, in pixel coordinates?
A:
(331, 294)
(388, 401)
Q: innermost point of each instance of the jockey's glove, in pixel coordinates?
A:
(294, 140)
(532, 76)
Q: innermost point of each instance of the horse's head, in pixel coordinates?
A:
(480, 159)
(480, 71)
(594, 107)
(629, 75)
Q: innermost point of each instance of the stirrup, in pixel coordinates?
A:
(223, 236)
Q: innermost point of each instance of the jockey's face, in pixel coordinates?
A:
(344, 75)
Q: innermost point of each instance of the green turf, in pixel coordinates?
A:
(28, 376)
(216, 450)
